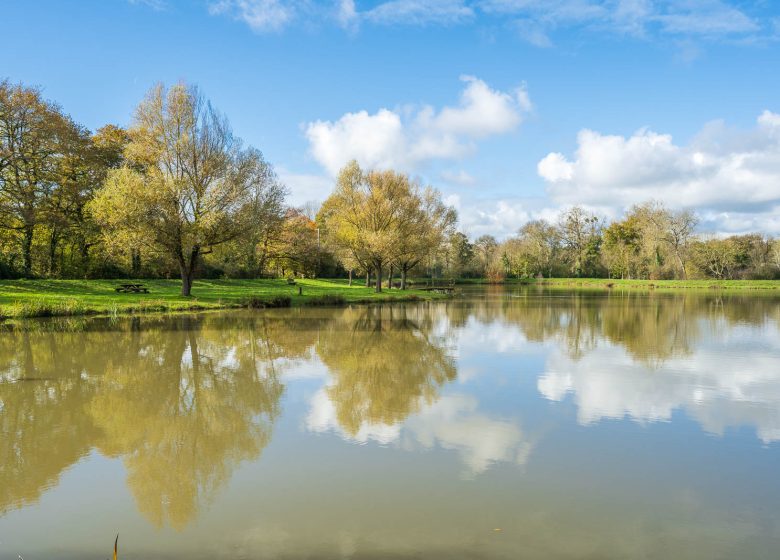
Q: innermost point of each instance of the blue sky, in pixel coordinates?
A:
(513, 108)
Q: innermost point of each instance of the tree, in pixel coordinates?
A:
(368, 213)
(188, 185)
(296, 249)
(717, 257)
(622, 245)
(32, 131)
(678, 232)
(580, 233)
(425, 231)
(484, 249)
(460, 253)
(542, 241)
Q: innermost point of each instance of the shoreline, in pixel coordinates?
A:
(608, 283)
(22, 299)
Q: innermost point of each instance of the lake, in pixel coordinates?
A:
(507, 423)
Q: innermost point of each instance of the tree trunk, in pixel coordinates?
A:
(403, 277)
(188, 270)
(350, 276)
(53, 240)
(27, 249)
(135, 262)
(368, 279)
(390, 278)
(378, 278)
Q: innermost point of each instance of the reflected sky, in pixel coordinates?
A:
(633, 424)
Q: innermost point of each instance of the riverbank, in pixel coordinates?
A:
(609, 283)
(60, 298)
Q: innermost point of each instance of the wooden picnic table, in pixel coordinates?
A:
(132, 288)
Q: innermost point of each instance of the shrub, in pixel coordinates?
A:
(260, 302)
(327, 299)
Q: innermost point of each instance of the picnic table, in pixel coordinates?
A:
(132, 289)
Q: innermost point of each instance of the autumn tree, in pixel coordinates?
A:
(188, 184)
(368, 214)
(32, 132)
(426, 231)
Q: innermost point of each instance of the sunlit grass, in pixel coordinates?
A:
(55, 298)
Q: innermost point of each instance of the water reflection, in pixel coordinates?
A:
(384, 365)
(183, 401)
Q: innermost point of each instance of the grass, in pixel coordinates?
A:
(600, 283)
(59, 298)
(706, 284)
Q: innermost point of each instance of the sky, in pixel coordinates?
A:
(514, 109)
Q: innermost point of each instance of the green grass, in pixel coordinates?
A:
(613, 283)
(658, 284)
(51, 298)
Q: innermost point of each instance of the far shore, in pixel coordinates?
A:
(611, 283)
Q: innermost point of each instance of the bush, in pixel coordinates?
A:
(327, 299)
(260, 302)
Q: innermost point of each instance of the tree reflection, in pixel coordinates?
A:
(43, 427)
(182, 401)
(385, 364)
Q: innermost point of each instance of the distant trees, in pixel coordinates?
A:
(650, 242)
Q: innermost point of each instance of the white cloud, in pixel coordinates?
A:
(533, 20)
(347, 14)
(156, 5)
(304, 188)
(532, 32)
(420, 12)
(719, 171)
(706, 18)
(459, 177)
(407, 138)
(259, 15)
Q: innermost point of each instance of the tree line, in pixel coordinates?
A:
(650, 242)
(178, 194)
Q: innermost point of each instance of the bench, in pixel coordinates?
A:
(132, 289)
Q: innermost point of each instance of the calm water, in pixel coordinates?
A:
(507, 424)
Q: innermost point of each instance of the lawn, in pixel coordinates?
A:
(30, 298)
(658, 284)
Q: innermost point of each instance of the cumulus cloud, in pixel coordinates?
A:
(731, 177)
(407, 138)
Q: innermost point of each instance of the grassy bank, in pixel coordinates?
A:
(47, 298)
(616, 283)
(607, 283)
